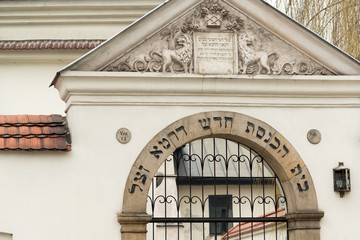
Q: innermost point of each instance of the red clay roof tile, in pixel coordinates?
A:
(57, 118)
(34, 119)
(49, 143)
(48, 130)
(2, 143)
(59, 130)
(60, 144)
(12, 130)
(22, 119)
(45, 119)
(24, 130)
(34, 132)
(35, 143)
(24, 143)
(2, 119)
(11, 143)
(10, 119)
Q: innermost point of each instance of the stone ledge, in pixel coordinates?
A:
(304, 220)
(133, 218)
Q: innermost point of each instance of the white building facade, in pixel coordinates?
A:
(188, 70)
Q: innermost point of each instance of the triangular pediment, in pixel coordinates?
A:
(218, 37)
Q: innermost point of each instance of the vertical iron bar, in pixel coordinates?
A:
(202, 164)
(276, 211)
(252, 196)
(227, 181)
(176, 172)
(190, 191)
(165, 185)
(287, 231)
(239, 177)
(214, 158)
(276, 199)
(153, 206)
(263, 188)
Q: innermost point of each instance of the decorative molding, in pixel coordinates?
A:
(159, 89)
(214, 38)
(49, 44)
(62, 12)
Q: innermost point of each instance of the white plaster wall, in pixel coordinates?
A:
(77, 195)
(25, 78)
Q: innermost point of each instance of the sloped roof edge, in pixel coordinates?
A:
(104, 43)
(291, 31)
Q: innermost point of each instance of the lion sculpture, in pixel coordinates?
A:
(181, 55)
(250, 56)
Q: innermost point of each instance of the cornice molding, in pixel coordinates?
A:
(104, 88)
(61, 12)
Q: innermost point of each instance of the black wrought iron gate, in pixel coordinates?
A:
(216, 189)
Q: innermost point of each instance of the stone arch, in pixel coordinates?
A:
(303, 215)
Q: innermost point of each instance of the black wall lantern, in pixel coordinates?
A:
(341, 179)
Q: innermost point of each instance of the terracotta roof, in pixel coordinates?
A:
(49, 44)
(34, 132)
(246, 227)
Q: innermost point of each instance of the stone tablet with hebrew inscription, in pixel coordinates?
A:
(215, 52)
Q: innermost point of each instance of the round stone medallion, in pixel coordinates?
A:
(314, 136)
(123, 135)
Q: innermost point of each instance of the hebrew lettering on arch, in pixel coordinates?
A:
(252, 125)
(141, 167)
(156, 152)
(141, 177)
(228, 119)
(172, 133)
(267, 140)
(301, 189)
(133, 187)
(165, 143)
(286, 150)
(181, 129)
(298, 168)
(218, 119)
(260, 132)
(206, 125)
(277, 142)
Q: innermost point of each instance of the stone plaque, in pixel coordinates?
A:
(123, 135)
(314, 136)
(215, 53)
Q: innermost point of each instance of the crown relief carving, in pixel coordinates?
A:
(233, 43)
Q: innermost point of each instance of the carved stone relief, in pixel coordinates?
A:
(215, 38)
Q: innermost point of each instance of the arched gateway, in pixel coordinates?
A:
(302, 215)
